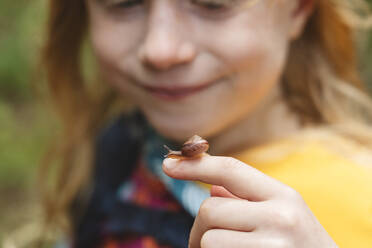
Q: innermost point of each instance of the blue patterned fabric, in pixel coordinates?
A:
(118, 149)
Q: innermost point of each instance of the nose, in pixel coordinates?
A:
(164, 46)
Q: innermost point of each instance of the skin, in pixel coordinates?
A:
(243, 52)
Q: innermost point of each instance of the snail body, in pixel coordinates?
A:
(193, 147)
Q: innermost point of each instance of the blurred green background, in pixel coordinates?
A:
(25, 123)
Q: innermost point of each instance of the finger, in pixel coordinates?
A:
(237, 177)
(222, 192)
(220, 238)
(227, 213)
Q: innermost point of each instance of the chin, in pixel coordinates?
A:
(175, 132)
(179, 129)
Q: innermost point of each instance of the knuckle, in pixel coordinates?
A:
(280, 243)
(208, 240)
(286, 218)
(232, 167)
(206, 210)
(292, 194)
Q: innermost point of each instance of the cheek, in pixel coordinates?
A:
(249, 41)
(113, 39)
(254, 38)
(109, 44)
(256, 59)
(254, 50)
(255, 54)
(259, 69)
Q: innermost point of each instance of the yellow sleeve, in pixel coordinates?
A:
(338, 191)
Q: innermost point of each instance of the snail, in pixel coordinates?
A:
(192, 148)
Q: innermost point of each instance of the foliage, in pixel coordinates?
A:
(23, 135)
(21, 131)
(20, 37)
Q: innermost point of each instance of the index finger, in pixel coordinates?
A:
(237, 177)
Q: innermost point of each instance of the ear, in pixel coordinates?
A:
(301, 13)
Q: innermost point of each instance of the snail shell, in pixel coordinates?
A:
(193, 147)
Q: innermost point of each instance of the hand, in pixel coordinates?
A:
(247, 208)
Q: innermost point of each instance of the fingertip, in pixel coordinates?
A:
(169, 163)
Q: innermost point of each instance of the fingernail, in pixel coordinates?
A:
(170, 163)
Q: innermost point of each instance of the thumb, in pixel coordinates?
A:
(220, 191)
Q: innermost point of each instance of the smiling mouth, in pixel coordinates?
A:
(176, 93)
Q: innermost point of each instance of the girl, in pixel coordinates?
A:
(271, 84)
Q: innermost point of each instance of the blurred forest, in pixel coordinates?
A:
(25, 123)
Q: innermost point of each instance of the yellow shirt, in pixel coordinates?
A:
(337, 189)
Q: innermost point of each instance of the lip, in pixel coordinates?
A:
(176, 93)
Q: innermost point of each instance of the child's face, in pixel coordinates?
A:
(176, 44)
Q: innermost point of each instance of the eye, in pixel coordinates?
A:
(126, 4)
(212, 4)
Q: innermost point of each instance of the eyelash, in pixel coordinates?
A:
(132, 3)
(209, 6)
(129, 3)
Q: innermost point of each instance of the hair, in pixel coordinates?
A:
(321, 84)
